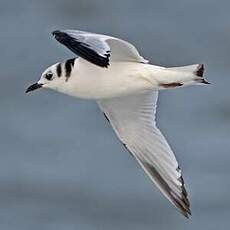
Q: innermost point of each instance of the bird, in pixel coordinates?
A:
(125, 86)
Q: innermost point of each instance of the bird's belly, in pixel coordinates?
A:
(117, 80)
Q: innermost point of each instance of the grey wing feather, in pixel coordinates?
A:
(133, 120)
(96, 48)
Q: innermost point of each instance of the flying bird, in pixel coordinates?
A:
(125, 86)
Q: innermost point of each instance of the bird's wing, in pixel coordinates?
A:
(96, 48)
(133, 119)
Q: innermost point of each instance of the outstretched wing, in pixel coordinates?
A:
(133, 119)
(98, 49)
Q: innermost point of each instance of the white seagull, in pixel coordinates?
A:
(112, 72)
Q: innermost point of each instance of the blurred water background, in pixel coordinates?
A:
(61, 166)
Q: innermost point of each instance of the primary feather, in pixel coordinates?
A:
(133, 119)
(96, 48)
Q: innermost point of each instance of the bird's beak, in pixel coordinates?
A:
(33, 87)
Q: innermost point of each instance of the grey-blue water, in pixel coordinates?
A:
(61, 166)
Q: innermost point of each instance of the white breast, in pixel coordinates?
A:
(119, 79)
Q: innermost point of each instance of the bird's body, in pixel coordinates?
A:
(112, 72)
(89, 81)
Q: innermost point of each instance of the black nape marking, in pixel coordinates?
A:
(59, 70)
(68, 67)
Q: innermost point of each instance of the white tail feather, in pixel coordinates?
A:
(183, 76)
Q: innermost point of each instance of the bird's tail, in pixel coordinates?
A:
(183, 76)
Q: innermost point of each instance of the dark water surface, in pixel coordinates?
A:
(61, 166)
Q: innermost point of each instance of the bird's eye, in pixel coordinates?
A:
(49, 76)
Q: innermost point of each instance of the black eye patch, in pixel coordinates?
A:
(49, 76)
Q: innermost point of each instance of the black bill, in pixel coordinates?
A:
(33, 87)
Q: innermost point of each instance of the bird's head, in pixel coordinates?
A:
(54, 77)
(50, 78)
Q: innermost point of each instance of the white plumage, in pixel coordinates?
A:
(112, 72)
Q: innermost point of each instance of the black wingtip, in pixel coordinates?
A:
(82, 49)
(59, 35)
(55, 32)
(187, 215)
(186, 212)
